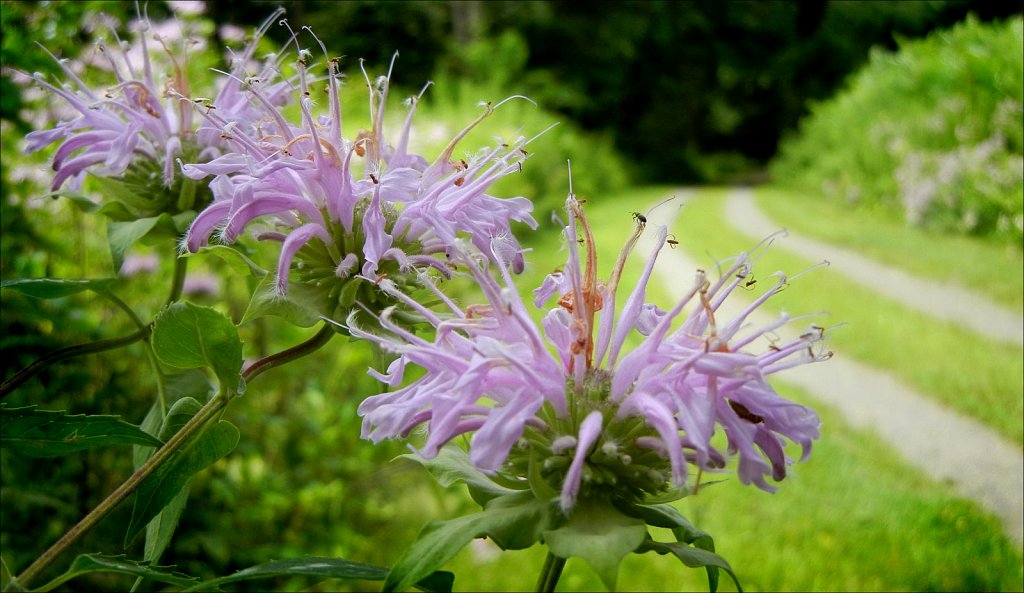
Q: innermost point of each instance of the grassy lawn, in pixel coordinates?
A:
(990, 268)
(962, 370)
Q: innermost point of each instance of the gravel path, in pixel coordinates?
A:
(974, 460)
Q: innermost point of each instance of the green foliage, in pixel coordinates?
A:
(162, 486)
(600, 536)
(322, 568)
(934, 130)
(42, 433)
(89, 563)
(187, 336)
(55, 288)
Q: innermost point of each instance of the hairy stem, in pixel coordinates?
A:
(191, 428)
(60, 354)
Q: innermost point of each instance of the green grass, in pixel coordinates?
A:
(970, 374)
(993, 269)
(851, 518)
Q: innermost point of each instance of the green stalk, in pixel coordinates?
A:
(191, 428)
(58, 355)
(550, 574)
(178, 281)
(308, 347)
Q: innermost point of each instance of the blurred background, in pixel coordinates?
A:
(893, 129)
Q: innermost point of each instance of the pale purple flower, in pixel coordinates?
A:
(600, 418)
(201, 285)
(356, 208)
(139, 263)
(144, 120)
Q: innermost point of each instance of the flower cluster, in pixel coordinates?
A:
(136, 129)
(603, 422)
(350, 212)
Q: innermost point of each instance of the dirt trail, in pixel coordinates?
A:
(974, 460)
(942, 301)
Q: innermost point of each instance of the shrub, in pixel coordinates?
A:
(933, 131)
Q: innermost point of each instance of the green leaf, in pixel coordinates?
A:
(55, 288)
(669, 517)
(599, 534)
(694, 558)
(80, 201)
(323, 568)
(87, 563)
(116, 191)
(161, 528)
(508, 522)
(452, 465)
(234, 258)
(266, 301)
(44, 433)
(122, 235)
(7, 580)
(195, 455)
(192, 383)
(187, 336)
(540, 487)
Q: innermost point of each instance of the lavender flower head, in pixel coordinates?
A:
(134, 130)
(351, 211)
(567, 402)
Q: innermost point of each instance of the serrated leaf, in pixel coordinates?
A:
(55, 288)
(45, 433)
(323, 568)
(440, 541)
(600, 535)
(694, 558)
(187, 336)
(266, 301)
(87, 563)
(235, 259)
(122, 235)
(195, 455)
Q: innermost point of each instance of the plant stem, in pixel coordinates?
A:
(550, 574)
(124, 307)
(180, 269)
(58, 355)
(308, 347)
(194, 425)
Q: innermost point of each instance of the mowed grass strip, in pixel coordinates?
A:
(993, 269)
(961, 369)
